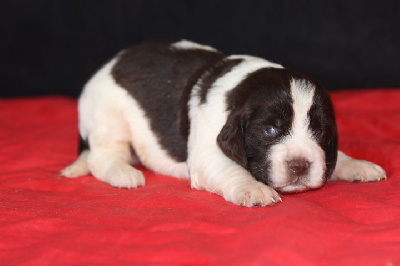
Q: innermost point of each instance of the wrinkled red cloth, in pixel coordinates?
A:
(46, 219)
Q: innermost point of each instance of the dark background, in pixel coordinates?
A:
(52, 47)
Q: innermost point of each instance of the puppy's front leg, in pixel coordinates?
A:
(213, 171)
(352, 170)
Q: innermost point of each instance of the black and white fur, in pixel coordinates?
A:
(239, 126)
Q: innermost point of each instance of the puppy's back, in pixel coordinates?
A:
(159, 76)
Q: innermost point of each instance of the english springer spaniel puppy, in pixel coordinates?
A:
(239, 126)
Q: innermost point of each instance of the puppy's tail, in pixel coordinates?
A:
(80, 166)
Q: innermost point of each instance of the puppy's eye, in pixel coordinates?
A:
(271, 131)
(319, 133)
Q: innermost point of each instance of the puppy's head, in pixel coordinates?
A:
(281, 127)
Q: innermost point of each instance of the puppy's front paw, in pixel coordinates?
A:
(360, 171)
(255, 194)
(125, 176)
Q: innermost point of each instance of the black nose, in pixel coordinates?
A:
(298, 167)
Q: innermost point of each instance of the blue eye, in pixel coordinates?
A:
(270, 131)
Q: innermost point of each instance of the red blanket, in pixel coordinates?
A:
(48, 219)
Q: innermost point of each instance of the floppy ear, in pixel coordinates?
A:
(331, 153)
(231, 140)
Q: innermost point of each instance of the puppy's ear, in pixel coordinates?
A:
(331, 154)
(231, 140)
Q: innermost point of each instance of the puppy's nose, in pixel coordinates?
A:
(298, 167)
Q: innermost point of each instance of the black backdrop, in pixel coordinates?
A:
(52, 47)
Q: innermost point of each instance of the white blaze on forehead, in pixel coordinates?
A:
(302, 93)
(188, 45)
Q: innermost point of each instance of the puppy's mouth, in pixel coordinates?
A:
(292, 188)
(296, 186)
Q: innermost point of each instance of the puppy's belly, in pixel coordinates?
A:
(108, 112)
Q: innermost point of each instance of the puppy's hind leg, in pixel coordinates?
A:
(353, 170)
(111, 164)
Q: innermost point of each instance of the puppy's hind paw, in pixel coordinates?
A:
(74, 171)
(125, 176)
(78, 168)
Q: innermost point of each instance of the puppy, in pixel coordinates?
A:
(239, 126)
